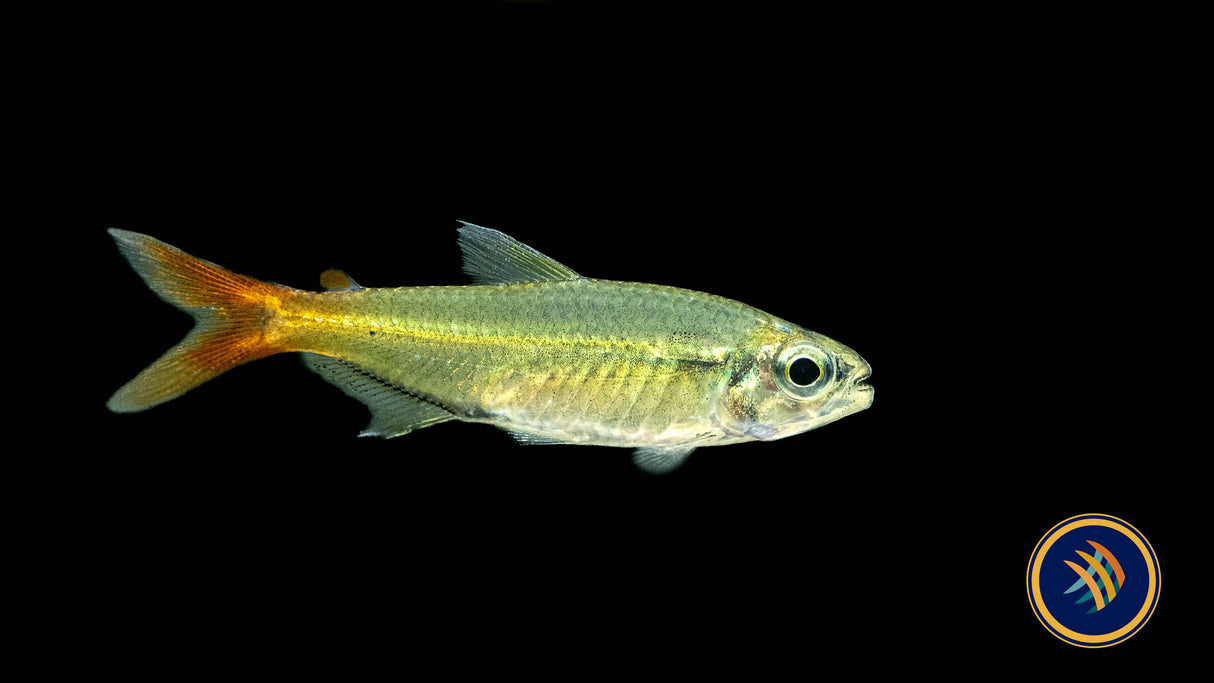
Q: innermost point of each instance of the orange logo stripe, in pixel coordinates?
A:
(1112, 561)
(1104, 574)
(1087, 578)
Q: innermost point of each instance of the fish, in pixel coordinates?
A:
(531, 346)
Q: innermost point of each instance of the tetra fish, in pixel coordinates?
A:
(531, 347)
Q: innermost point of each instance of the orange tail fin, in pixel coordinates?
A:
(229, 310)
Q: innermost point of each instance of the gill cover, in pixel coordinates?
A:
(795, 381)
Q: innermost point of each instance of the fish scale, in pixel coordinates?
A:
(514, 351)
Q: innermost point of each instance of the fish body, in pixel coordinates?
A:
(533, 347)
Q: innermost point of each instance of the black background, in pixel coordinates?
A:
(990, 209)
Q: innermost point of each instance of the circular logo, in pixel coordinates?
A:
(1093, 580)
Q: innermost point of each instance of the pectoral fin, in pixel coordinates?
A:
(661, 459)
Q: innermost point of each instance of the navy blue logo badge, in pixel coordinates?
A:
(1093, 580)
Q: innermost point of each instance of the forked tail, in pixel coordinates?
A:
(230, 312)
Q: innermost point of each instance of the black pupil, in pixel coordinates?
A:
(803, 372)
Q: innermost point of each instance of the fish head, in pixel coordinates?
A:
(791, 380)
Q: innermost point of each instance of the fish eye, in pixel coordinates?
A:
(802, 370)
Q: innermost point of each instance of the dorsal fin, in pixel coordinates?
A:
(495, 258)
(335, 280)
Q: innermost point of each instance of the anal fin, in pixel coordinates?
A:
(529, 439)
(394, 411)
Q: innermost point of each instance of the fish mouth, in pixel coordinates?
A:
(862, 395)
(859, 382)
(859, 386)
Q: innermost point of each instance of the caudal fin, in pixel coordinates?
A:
(229, 310)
